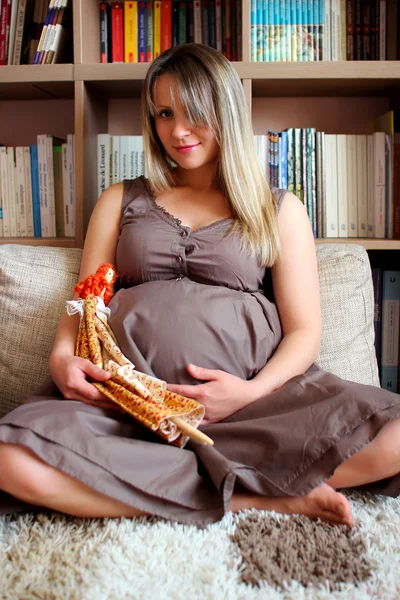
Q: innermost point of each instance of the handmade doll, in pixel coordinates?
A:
(173, 417)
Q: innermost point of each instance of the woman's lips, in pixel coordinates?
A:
(186, 149)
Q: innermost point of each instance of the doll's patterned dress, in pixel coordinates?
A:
(194, 297)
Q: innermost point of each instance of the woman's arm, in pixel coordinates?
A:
(99, 248)
(296, 289)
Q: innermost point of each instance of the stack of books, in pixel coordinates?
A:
(37, 189)
(139, 31)
(35, 32)
(350, 184)
(387, 326)
(119, 157)
(315, 30)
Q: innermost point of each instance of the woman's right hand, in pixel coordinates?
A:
(70, 375)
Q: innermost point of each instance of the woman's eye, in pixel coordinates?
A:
(163, 114)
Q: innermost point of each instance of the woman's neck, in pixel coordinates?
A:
(201, 179)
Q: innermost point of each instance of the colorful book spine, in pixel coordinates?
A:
(37, 227)
(117, 32)
(390, 329)
(321, 29)
(157, 29)
(290, 161)
(142, 27)
(166, 24)
(149, 31)
(182, 23)
(283, 159)
(105, 30)
(131, 32)
(4, 14)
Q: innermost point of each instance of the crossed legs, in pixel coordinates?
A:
(28, 478)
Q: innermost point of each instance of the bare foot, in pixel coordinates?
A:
(322, 502)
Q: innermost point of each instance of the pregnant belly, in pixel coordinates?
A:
(161, 326)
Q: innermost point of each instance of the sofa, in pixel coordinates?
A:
(50, 555)
(35, 282)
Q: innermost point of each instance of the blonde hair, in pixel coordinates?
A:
(211, 93)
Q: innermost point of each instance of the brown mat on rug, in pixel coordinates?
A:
(310, 552)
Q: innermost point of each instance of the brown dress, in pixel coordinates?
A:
(193, 296)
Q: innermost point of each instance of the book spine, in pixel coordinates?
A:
(218, 26)
(20, 191)
(166, 25)
(377, 285)
(283, 157)
(212, 32)
(328, 30)
(342, 186)
(312, 136)
(357, 30)
(228, 29)
(382, 30)
(350, 30)
(310, 31)
(293, 31)
(379, 184)
(352, 173)
(149, 32)
(157, 29)
(58, 191)
(362, 186)
(104, 32)
(13, 24)
(142, 29)
(115, 159)
(197, 23)
(71, 171)
(290, 161)
(304, 170)
(37, 227)
(131, 32)
(396, 191)
(4, 12)
(4, 192)
(12, 192)
(190, 21)
(50, 179)
(331, 206)
(390, 329)
(124, 157)
(366, 30)
(103, 154)
(117, 32)
(315, 8)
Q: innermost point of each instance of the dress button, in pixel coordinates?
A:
(179, 258)
(184, 233)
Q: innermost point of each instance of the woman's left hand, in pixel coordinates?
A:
(222, 394)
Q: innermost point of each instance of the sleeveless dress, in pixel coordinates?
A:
(194, 296)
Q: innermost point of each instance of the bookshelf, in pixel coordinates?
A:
(92, 98)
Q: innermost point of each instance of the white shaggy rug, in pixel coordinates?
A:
(49, 556)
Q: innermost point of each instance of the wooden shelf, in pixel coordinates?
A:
(368, 243)
(36, 82)
(55, 242)
(113, 80)
(269, 79)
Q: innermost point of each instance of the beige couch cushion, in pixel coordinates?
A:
(347, 300)
(36, 281)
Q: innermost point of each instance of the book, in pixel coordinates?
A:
(142, 31)
(377, 285)
(103, 162)
(20, 191)
(157, 29)
(58, 191)
(117, 32)
(105, 33)
(131, 32)
(362, 186)
(12, 192)
(149, 31)
(37, 226)
(5, 8)
(379, 184)
(331, 204)
(5, 200)
(166, 24)
(390, 329)
(13, 7)
(352, 182)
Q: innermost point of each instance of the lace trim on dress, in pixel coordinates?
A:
(169, 218)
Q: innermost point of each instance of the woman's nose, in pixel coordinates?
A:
(181, 128)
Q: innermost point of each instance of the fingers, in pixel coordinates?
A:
(189, 391)
(95, 372)
(201, 373)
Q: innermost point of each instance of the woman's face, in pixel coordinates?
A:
(188, 146)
